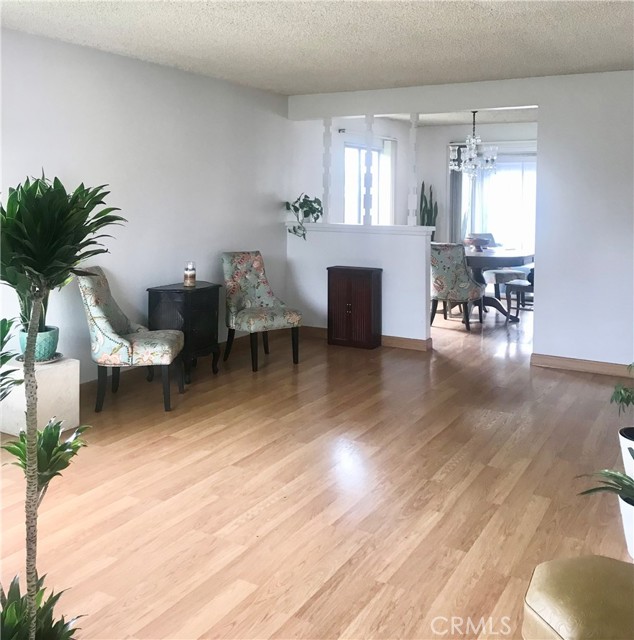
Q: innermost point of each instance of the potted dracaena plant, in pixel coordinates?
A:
(622, 484)
(304, 209)
(623, 396)
(53, 456)
(8, 380)
(46, 233)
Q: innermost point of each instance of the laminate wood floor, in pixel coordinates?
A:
(361, 494)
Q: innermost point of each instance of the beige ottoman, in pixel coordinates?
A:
(589, 598)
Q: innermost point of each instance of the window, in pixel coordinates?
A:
(503, 203)
(383, 165)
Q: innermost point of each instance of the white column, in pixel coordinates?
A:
(412, 192)
(325, 201)
(367, 197)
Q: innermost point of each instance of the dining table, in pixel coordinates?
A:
(496, 258)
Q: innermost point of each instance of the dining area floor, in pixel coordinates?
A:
(507, 336)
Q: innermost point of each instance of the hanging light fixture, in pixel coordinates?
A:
(474, 157)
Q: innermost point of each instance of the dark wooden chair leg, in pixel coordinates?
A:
(518, 297)
(102, 381)
(214, 359)
(115, 379)
(508, 305)
(444, 309)
(295, 344)
(150, 374)
(187, 367)
(481, 310)
(254, 351)
(434, 308)
(180, 374)
(230, 336)
(165, 375)
(496, 286)
(465, 306)
(265, 342)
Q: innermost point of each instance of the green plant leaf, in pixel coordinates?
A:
(14, 619)
(45, 232)
(53, 455)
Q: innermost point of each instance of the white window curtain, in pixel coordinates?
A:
(503, 203)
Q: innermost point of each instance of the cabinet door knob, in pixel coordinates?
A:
(348, 308)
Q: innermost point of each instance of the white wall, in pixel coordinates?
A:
(198, 166)
(307, 165)
(585, 195)
(402, 252)
(432, 158)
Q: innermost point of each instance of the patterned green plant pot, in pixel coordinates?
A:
(45, 345)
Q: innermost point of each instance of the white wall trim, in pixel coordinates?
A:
(440, 98)
(394, 229)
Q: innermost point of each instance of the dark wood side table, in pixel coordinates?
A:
(354, 306)
(192, 310)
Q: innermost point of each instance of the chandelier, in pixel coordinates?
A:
(474, 156)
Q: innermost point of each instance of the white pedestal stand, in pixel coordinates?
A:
(58, 396)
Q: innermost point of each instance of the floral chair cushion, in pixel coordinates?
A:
(451, 278)
(115, 340)
(251, 304)
(151, 348)
(267, 319)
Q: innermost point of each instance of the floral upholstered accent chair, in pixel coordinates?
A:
(252, 305)
(117, 342)
(452, 282)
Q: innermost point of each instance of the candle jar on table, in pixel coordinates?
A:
(189, 279)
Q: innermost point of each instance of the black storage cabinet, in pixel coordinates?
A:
(192, 310)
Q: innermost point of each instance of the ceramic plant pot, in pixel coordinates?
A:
(627, 516)
(45, 345)
(626, 440)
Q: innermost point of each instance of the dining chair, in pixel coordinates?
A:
(520, 288)
(252, 306)
(498, 277)
(117, 343)
(452, 282)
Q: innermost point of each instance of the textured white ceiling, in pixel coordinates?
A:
(294, 47)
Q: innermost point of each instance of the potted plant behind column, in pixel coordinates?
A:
(428, 209)
(622, 484)
(624, 397)
(47, 337)
(46, 233)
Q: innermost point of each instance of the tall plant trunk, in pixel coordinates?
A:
(31, 501)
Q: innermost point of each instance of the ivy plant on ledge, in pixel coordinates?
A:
(304, 209)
